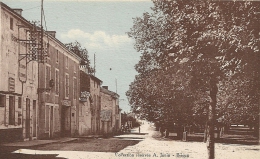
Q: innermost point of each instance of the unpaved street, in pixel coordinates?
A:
(146, 145)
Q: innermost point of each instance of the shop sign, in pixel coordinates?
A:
(22, 70)
(84, 96)
(66, 102)
(105, 115)
(11, 84)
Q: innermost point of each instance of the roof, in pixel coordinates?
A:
(30, 25)
(113, 94)
(95, 78)
(15, 14)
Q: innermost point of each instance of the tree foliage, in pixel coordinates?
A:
(82, 52)
(211, 40)
(213, 45)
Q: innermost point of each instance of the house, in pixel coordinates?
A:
(58, 90)
(110, 112)
(19, 79)
(89, 109)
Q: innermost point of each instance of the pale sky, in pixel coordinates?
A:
(100, 26)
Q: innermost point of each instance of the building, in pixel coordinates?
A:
(19, 80)
(110, 112)
(58, 90)
(85, 105)
(89, 111)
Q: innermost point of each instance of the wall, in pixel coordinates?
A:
(18, 78)
(59, 107)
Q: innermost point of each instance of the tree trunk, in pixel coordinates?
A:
(166, 133)
(211, 119)
(205, 133)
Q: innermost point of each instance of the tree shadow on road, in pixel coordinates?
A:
(226, 139)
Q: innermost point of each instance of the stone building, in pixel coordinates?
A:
(19, 79)
(110, 112)
(58, 90)
(89, 111)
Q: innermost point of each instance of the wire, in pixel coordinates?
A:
(46, 30)
(31, 8)
(44, 20)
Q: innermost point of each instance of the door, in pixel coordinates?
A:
(65, 121)
(27, 118)
(11, 111)
(34, 118)
(51, 122)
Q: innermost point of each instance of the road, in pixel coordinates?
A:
(147, 144)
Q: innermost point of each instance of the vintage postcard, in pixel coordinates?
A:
(121, 79)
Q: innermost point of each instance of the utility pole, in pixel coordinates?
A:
(41, 50)
(94, 64)
(116, 85)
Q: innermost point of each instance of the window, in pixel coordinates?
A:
(2, 100)
(74, 88)
(75, 67)
(81, 110)
(19, 102)
(67, 62)
(66, 85)
(47, 75)
(11, 23)
(11, 110)
(57, 56)
(57, 82)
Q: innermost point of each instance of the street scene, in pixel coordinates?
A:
(129, 79)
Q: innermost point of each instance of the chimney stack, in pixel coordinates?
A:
(106, 87)
(18, 11)
(51, 33)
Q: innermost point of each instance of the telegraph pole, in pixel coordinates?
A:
(94, 64)
(41, 50)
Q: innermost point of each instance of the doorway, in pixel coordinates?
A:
(27, 118)
(51, 122)
(34, 118)
(65, 121)
(11, 110)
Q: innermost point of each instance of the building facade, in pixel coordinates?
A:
(58, 90)
(91, 85)
(19, 80)
(44, 93)
(110, 121)
(85, 105)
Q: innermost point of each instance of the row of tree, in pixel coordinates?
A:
(198, 58)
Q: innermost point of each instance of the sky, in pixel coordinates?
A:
(98, 25)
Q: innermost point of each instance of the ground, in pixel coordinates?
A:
(144, 145)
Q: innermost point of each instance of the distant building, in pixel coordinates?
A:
(90, 84)
(19, 79)
(110, 111)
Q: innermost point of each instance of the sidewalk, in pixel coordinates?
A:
(32, 143)
(90, 136)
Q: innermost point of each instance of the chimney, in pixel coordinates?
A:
(106, 87)
(51, 33)
(18, 11)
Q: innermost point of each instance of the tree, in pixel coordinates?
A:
(82, 52)
(212, 40)
(162, 96)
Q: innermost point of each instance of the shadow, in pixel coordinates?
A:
(26, 156)
(232, 138)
